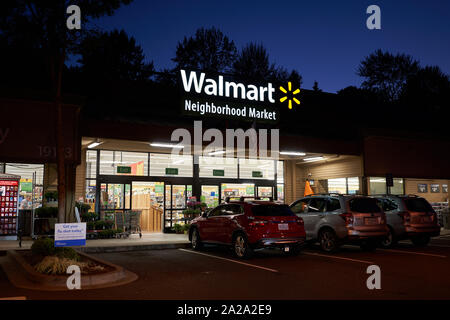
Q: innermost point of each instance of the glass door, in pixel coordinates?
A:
(115, 196)
(176, 200)
(264, 192)
(237, 190)
(210, 196)
(148, 198)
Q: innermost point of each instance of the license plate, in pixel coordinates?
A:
(371, 221)
(425, 219)
(283, 226)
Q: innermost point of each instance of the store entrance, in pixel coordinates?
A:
(176, 198)
(265, 192)
(148, 198)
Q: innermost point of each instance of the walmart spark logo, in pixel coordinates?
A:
(290, 94)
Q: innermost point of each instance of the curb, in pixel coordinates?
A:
(125, 248)
(22, 275)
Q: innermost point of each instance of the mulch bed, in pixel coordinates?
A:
(33, 260)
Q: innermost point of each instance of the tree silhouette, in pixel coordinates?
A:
(41, 25)
(428, 89)
(253, 65)
(386, 73)
(209, 50)
(113, 56)
(316, 87)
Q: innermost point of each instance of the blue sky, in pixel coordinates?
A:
(323, 40)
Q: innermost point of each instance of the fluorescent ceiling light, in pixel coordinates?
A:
(94, 144)
(166, 145)
(312, 159)
(292, 153)
(217, 152)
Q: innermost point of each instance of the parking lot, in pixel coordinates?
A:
(406, 273)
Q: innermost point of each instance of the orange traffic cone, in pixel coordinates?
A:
(308, 189)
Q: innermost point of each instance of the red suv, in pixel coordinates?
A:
(249, 224)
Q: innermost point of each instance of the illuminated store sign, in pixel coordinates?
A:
(220, 97)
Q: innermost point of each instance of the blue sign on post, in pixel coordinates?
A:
(70, 234)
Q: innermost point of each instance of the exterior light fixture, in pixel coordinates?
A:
(292, 153)
(94, 144)
(166, 145)
(312, 159)
(217, 152)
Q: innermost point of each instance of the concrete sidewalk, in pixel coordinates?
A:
(149, 241)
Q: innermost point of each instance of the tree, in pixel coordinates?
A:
(209, 50)
(428, 89)
(113, 56)
(387, 73)
(316, 87)
(253, 65)
(42, 25)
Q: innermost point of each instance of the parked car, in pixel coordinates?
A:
(248, 224)
(334, 219)
(409, 217)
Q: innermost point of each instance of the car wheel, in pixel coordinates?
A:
(389, 241)
(420, 241)
(369, 245)
(241, 247)
(195, 240)
(328, 240)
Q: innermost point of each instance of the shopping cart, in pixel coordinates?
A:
(129, 222)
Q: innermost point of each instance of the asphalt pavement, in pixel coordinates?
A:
(407, 272)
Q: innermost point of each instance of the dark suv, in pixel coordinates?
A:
(334, 219)
(248, 224)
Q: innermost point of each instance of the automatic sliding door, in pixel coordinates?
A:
(176, 201)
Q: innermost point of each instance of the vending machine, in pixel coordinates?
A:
(9, 206)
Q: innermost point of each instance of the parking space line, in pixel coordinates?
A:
(413, 252)
(336, 257)
(231, 260)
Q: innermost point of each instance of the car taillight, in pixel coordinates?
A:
(405, 216)
(300, 221)
(258, 223)
(348, 217)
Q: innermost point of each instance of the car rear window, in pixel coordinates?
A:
(272, 210)
(364, 205)
(418, 205)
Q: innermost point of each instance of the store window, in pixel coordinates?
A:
(398, 186)
(171, 165)
(338, 185)
(91, 164)
(280, 192)
(31, 183)
(280, 172)
(217, 167)
(237, 190)
(123, 163)
(353, 185)
(90, 194)
(377, 185)
(256, 169)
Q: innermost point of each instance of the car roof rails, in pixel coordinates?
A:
(243, 198)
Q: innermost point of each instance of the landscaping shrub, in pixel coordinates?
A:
(56, 265)
(46, 212)
(46, 247)
(88, 216)
(43, 247)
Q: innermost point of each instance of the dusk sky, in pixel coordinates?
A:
(323, 40)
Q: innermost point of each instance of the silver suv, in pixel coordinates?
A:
(334, 219)
(409, 217)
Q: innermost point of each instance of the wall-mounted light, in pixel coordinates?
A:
(312, 159)
(292, 153)
(213, 153)
(94, 144)
(166, 145)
